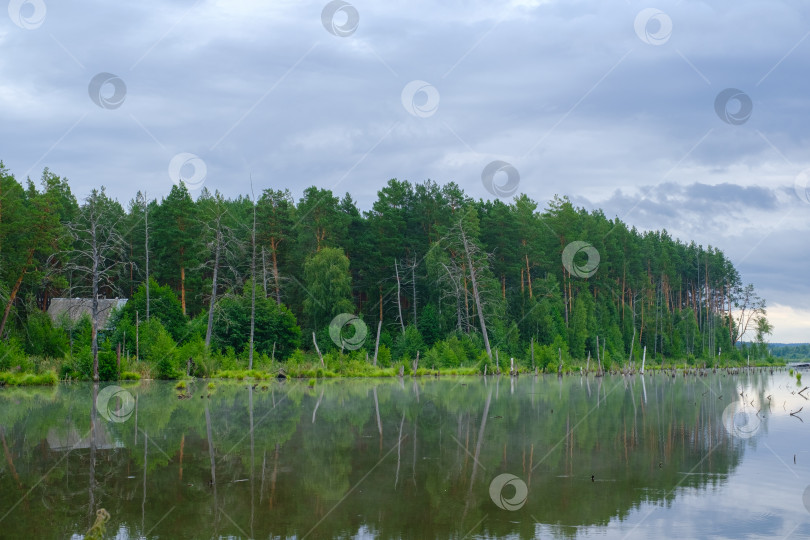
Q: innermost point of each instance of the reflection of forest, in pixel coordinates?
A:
(401, 458)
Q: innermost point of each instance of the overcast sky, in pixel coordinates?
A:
(689, 116)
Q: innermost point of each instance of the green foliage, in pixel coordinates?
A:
(28, 379)
(384, 356)
(274, 328)
(163, 306)
(107, 363)
(790, 352)
(175, 229)
(12, 356)
(204, 363)
(159, 350)
(413, 255)
(329, 286)
(43, 338)
(79, 364)
(452, 352)
(429, 325)
(408, 343)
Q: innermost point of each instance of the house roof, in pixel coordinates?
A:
(63, 438)
(76, 308)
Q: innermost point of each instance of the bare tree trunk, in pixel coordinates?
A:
(252, 455)
(145, 463)
(274, 246)
(466, 302)
(146, 247)
(399, 449)
(529, 276)
(633, 342)
(377, 344)
(264, 272)
(598, 359)
(644, 359)
(213, 291)
(317, 349)
(182, 284)
(399, 302)
(476, 296)
(413, 287)
(211, 455)
(377, 410)
(478, 443)
(454, 281)
(252, 284)
(318, 404)
(93, 437)
(94, 309)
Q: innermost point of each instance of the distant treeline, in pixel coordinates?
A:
(443, 272)
(790, 351)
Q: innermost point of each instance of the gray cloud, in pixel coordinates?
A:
(564, 91)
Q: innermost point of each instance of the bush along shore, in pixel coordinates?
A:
(453, 357)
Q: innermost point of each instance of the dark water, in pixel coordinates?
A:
(612, 457)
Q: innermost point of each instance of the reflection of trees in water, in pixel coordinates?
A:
(411, 460)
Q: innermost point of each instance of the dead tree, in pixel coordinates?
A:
(412, 264)
(224, 246)
(452, 277)
(399, 298)
(98, 252)
(252, 279)
(470, 250)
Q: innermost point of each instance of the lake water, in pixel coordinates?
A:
(718, 456)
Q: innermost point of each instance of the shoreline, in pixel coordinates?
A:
(49, 378)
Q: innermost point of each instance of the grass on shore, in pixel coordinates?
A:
(28, 379)
(308, 366)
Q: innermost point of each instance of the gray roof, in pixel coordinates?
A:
(75, 308)
(67, 438)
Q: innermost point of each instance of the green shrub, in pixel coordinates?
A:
(107, 363)
(43, 338)
(28, 379)
(274, 324)
(164, 307)
(78, 365)
(12, 356)
(203, 364)
(159, 350)
(408, 343)
(384, 356)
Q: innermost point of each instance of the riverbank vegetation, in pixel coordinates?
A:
(426, 280)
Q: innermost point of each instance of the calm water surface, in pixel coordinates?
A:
(535, 457)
